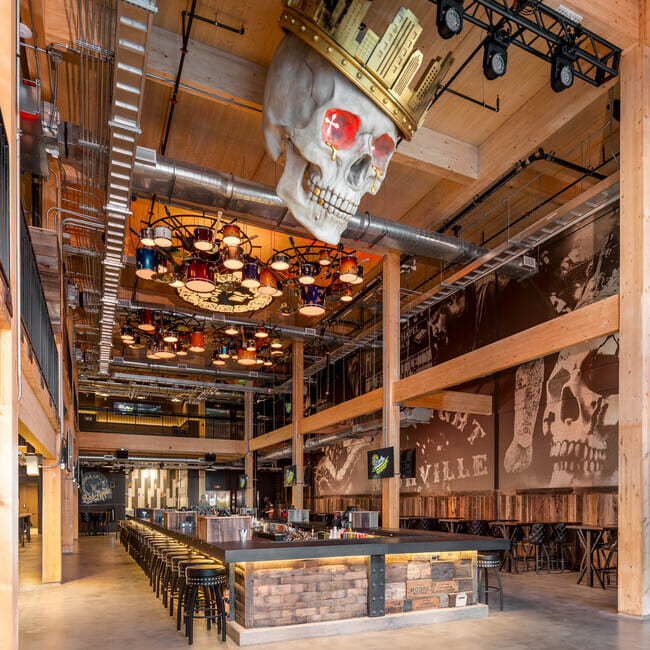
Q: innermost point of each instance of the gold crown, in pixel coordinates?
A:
(382, 68)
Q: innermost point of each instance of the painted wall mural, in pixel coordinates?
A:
(557, 417)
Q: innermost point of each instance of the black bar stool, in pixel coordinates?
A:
(485, 562)
(208, 579)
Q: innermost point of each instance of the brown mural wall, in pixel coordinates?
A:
(555, 424)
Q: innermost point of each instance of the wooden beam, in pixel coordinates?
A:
(580, 325)
(34, 425)
(634, 355)
(298, 412)
(225, 77)
(450, 400)
(391, 373)
(534, 123)
(51, 523)
(272, 438)
(90, 441)
(617, 21)
(353, 408)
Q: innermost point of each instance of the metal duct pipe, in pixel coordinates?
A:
(204, 188)
(157, 459)
(237, 374)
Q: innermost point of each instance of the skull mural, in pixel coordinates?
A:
(337, 143)
(581, 414)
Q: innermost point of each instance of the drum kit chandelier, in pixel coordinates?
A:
(201, 258)
(166, 336)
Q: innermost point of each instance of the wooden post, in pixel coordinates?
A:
(201, 413)
(9, 351)
(51, 523)
(297, 411)
(249, 427)
(391, 374)
(634, 353)
(67, 514)
(75, 512)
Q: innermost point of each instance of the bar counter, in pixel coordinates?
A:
(286, 590)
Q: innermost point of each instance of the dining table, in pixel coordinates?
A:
(508, 529)
(590, 536)
(453, 524)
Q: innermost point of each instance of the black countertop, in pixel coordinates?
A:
(390, 542)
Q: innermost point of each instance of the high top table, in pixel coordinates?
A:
(590, 537)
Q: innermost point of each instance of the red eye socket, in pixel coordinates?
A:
(339, 128)
(382, 148)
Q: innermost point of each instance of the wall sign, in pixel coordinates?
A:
(381, 463)
(289, 476)
(243, 481)
(95, 488)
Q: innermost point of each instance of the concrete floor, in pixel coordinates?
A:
(106, 602)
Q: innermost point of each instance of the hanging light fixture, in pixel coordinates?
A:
(161, 266)
(181, 349)
(146, 236)
(137, 344)
(217, 360)
(280, 262)
(251, 346)
(312, 301)
(145, 262)
(177, 280)
(349, 268)
(231, 235)
(232, 258)
(324, 257)
(261, 332)
(234, 353)
(346, 296)
(167, 351)
(170, 336)
(276, 344)
(223, 352)
(162, 236)
(146, 323)
(307, 273)
(126, 334)
(278, 290)
(231, 330)
(268, 283)
(154, 350)
(197, 341)
(246, 357)
(359, 279)
(199, 277)
(276, 352)
(251, 279)
(267, 361)
(203, 239)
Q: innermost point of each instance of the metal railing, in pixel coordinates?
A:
(35, 315)
(160, 424)
(5, 218)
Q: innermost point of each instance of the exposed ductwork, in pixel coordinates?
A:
(199, 187)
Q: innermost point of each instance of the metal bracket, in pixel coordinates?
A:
(376, 585)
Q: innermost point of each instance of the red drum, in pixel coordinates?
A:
(231, 235)
(246, 357)
(349, 268)
(203, 239)
(199, 276)
(197, 341)
(146, 323)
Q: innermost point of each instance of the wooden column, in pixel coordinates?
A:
(52, 547)
(297, 411)
(67, 513)
(634, 353)
(75, 512)
(9, 350)
(249, 428)
(391, 374)
(201, 413)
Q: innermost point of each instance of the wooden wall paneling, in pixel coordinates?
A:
(391, 373)
(297, 411)
(634, 351)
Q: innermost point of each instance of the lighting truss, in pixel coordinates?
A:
(540, 30)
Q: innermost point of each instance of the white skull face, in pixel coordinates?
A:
(582, 412)
(337, 143)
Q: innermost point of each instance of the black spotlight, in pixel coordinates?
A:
(449, 17)
(561, 70)
(495, 57)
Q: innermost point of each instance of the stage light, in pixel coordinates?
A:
(495, 57)
(449, 17)
(562, 73)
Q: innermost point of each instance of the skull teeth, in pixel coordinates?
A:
(577, 456)
(336, 205)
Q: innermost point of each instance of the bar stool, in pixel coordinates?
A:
(183, 588)
(479, 528)
(208, 578)
(484, 562)
(537, 539)
(172, 586)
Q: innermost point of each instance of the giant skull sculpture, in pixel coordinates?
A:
(581, 413)
(337, 142)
